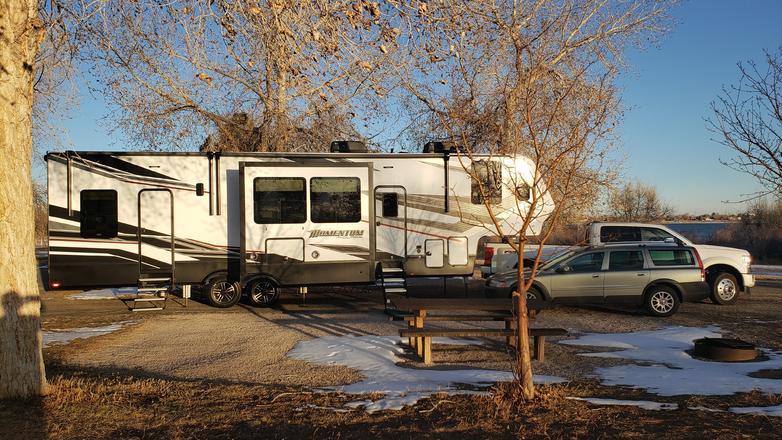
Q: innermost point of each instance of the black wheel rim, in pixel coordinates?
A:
(263, 292)
(224, 292)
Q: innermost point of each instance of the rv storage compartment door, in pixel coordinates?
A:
(457, 251)
(434, 249)
(306, 223)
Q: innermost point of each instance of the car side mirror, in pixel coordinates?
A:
(670, 240)
(563, 269)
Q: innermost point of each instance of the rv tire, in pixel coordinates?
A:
(262, 292)
(222, 293)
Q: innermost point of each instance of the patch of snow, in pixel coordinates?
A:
(774, 411)
(376, 358)
(669, 371)
(104, 293)
(704, 408)
(643, 404)
(65, 336)
(761, 269)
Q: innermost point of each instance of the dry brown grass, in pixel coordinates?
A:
(91, 405)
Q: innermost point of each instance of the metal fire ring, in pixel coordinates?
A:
(725, 349)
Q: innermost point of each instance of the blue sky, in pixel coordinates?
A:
(666, 95)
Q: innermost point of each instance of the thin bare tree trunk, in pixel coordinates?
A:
(21, 361)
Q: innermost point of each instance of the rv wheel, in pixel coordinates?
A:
(262, 293)
(222, 293)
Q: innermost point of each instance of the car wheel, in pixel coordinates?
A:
(262, 293)
(661, 301)
(724, 289)
(223, 293)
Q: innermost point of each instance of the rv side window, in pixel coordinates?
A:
(279, 200)
(335, 199)
(390, 204)
(98, 213)
(487, 176)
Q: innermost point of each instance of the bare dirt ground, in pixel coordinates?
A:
(200, 372)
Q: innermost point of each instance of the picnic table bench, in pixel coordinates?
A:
(416, 311)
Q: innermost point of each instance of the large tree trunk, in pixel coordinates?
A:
(21, 361)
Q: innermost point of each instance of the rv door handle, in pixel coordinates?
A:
(428, 253)
(377, 223)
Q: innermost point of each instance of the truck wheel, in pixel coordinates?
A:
(262, 293)
(724, 289)
(223, 293)
(661, 301)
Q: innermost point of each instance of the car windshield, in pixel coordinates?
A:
(560, 257)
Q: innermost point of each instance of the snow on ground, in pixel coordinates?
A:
(663, 366)
(376, 357)
(760, 269)
(775, 411)
(64, 336)
(104, 293)
(644, 404)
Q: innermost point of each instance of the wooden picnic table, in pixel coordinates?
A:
(416, 311)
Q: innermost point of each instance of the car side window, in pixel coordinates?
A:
(591, 262)
(671, 257)
(626, 260)
(619, 234)
(654, 234)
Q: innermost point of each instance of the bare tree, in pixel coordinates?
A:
(747, 118)
(636, 202)
(176, 72)
(21, 361)
(530, 79)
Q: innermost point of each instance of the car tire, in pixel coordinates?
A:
(724, 289)
(222, 293)
(661, 301)
(262, 292)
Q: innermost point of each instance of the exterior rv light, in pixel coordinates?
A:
(199, 189)
(55, 284)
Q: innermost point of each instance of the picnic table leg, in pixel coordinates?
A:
(511, 324)
(540, 346)
(427, 350)
(410, 339)
(419, 324)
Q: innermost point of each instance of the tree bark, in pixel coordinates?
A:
(21, 361)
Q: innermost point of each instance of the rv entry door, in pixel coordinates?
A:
(306, 223)
(155, 232)
(390, 222)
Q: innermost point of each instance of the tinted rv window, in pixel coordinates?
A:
(279, 200)
(98, 213)
(390, 205)
(335, 199)
(673, 257)
(489, 178)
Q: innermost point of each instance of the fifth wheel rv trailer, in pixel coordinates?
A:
(250, 223)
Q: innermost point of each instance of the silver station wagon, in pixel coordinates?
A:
(657, 277)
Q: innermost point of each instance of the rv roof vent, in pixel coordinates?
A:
(440, 147)
(348, 147)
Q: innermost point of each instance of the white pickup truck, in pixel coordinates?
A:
(727, 269)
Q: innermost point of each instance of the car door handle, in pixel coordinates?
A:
(641, 274)
(596, 275)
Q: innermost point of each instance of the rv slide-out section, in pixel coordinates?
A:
(295, 219)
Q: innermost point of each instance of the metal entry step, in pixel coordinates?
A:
(151, 294)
